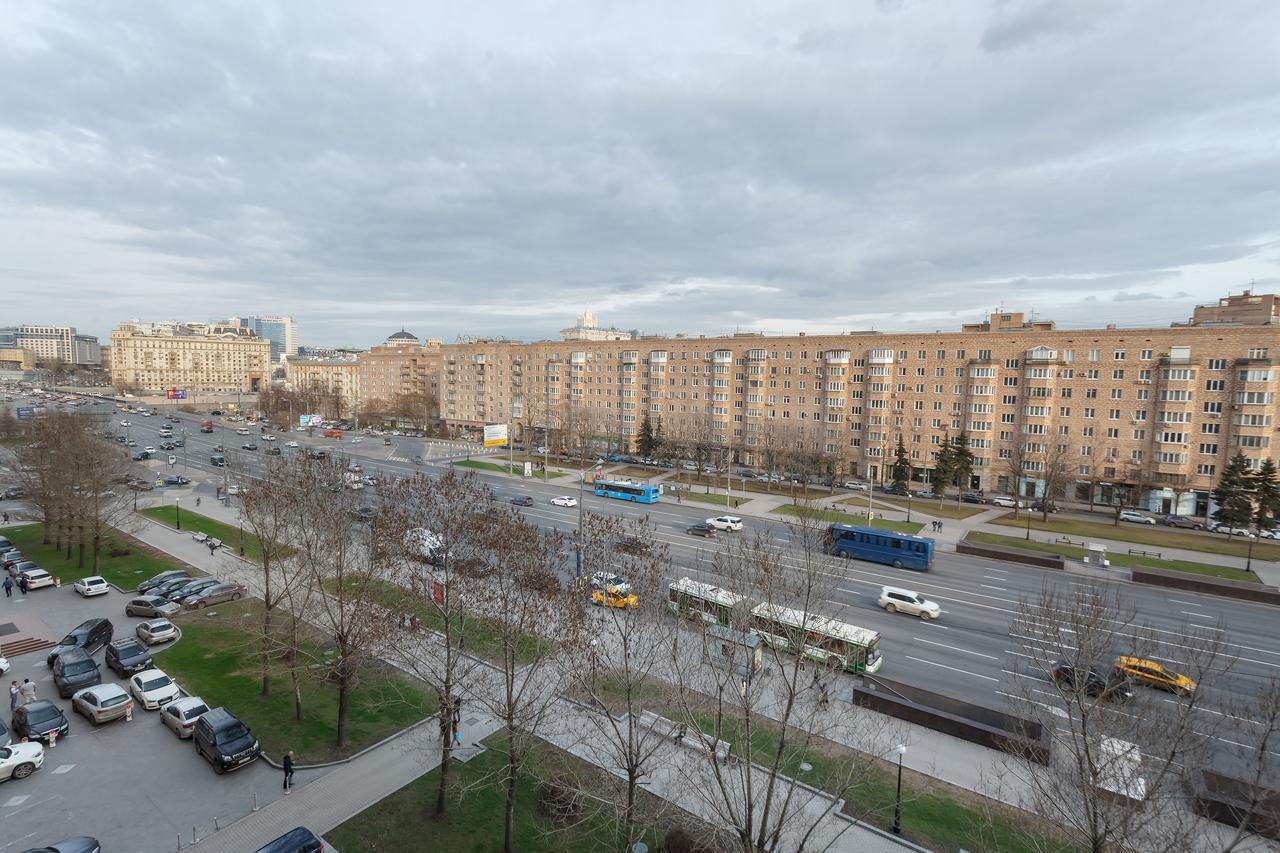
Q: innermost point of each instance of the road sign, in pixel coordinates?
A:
(528, 469)
(26, 413)
(495, 435)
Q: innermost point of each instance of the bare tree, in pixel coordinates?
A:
(1059, 466)
(1015, 469)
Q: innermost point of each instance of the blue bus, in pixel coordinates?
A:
(900, 550)
(637, 492)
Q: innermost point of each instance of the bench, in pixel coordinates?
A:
(1064, 540)
(1141, 553)
(652, 721)
(217, 543)
(200, 536)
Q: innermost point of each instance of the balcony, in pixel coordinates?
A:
(757, 355)
(722, 356)
(838, 356)
(658, 356)
(880, 356)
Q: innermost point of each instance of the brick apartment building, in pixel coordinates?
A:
(1155, 412)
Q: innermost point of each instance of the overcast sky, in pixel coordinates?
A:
(703, 167)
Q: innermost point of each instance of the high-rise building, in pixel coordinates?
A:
(53, 342)
(586, 329)
(282, 332)
(215, 358)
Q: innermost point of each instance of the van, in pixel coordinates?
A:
(73, 670)
(90, 635)
(224, 741)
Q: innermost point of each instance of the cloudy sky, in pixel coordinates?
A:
(695, 167)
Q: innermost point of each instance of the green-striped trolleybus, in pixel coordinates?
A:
(696, 600)
(818, 638)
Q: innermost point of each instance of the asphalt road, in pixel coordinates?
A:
(977, 651)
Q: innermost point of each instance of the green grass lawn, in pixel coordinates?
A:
(516, 468)
(1157, 535)
(480, 636)
(1117, 559)
(192, 521)
(930, 816)
(716, 500)
(473, 823)
(929, 506)
(125, 571)
(856, 518)
(216, 659)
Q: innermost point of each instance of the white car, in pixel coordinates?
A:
(242, 431)
(181, 715)
(725, 522)
(610, 582)
(1230, 531)
(92, 585)
(268, 437)
(897, 600)
(233, 489)
(20, 760)
(149, 449)
(153, 689)
(4, 665)
(854, 485)
(292, 444)
(36, 578)
(126, 423)
(1136, 517)
(1263, 533)
(1006, 501)
(564, 500)
(357, 440)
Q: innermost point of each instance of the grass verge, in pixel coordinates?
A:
(1146, 534)
(857, 518)
(192, 521)
(134, 562)
(217, 659)
(473, 822)
(717, 500)
(927, 506)
(515, 468)
(1122, 560)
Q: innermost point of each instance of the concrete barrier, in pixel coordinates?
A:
(1203, 583)
(1234, 801)
(1014, 555)
(974, 723)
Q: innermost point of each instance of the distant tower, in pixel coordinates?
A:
(586, 320)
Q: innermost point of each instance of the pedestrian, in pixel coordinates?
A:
(14, 692)
(457, 736)
(939, 526)
(8, 587)
(681, 730)
(22, 583)
(28, 691)
(824, 698)
(212, 548)
(197, 500)
(288, 772)
(679, 499)
(6, 518)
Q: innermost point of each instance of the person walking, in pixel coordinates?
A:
(288, 772)
(28, 691)
(22, 583)
(197, 500)
(8, 587)
(14, 692)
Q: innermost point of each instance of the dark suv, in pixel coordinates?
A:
(126, 656)
(1184, 521)
(74, 669)
(224, 741)
(1109, 685)
(36, 719)
(90, 635)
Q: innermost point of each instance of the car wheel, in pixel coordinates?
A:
(235, 597)
(200, 604)
(891, 608)
(924, 615)
(897, 564)
(1197, 527)
(22, 771)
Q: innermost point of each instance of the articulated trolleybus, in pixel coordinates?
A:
(624, 491)
(900, 550)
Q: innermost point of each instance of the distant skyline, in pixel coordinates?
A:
(769, 166)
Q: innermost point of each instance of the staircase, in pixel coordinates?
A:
(24, 646)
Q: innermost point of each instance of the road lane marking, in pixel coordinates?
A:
(955, 648)
(997, 588)
(14, 802)
(952, 668)
(62, 768)
(1197, 615)
(850, 591)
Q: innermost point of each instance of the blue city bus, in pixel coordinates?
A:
(900, 550)
(628, 491)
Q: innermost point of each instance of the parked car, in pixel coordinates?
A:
(1007, 501)
(102, 703)
(1044, 506)
(1111, 685)
(36, 720)
(176, 480)
(1183, 521)
(1232, 531)
(215, 595)
(79, 844)
(13, 555)
(20, 760)
(725, 522)
(1135, 517)
(1264, 533)
(610, 582)
(22, 566)
(610, 598)
(704, 530)
(156, 631)
(153, 689)
(1154, 674)
(297, 840)
(92, 585)
(126, 656)
(180, 715)
(897, 600)
(151, 607)
(36, 578)
(90, 635)
(224, 741)
(854, 485)
(73, 670)
(564, 500)
(191, 588)
(522, 500)
(163, 589)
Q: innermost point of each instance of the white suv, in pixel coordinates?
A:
(896, 600)
(725, 522)
(1136, 517)
(1006, 501)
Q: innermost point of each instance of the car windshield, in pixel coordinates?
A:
(71, 640)
(78, 667)
(195, 711)
(235, 732)
(128, 650)
(157, 683)
(42, 713)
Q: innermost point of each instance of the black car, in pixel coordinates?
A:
(522, 500)
(14, 493)
(297, 840)
(36, 720)
(191, 588)
(248, 445)
(224, 741)
(126, 656)
(1044, 506)
(705, 530)
(79, 844)
(216, 412)
(163, 589)
(971, 498)
(176, 480)
(90, 635)
(272, 451)
(141, 455)
(74, 669)
(1109, 685)
(164, 577)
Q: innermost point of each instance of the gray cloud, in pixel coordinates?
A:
(831, 166)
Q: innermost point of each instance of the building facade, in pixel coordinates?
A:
(403, 370)
(218, 359)
(53, 342)
(282, 332)
(1149, 414)
(319, 378)
(587, 329)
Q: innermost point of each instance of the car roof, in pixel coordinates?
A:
(1140, 662)
(104, 690)
(153, 672)
(94, 578)
(901, 590)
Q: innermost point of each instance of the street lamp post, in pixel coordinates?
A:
(241, 534)
(1248, 563)
(593, 665)
(901, 749)
(177, 511)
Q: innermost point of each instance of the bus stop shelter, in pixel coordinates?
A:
(738, 652)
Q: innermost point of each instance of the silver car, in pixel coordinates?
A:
(156, 631)
(102, 702)
(180, 715)
(151, 606)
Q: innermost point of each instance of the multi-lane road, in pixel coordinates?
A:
(977, 651)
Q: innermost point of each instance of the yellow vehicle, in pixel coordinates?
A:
(1152, 674)
(609, 598)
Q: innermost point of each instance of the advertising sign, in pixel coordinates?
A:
(495, 435)
(26, 413)
(528, 469)
(176, 393)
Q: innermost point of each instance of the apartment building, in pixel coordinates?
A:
(320, 378)
(53, 342)
(1154, 412)
(214, 358)
(282, 332)
(403, 366)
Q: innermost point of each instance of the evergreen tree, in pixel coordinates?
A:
(1234, 493)
(645, 441)
(963, 464)
(659, 440)
(1266, 494)
(944, 469)
(901, 467)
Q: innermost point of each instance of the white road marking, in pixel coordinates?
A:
(955, 648)
(1187, 603)
(62, 768)
(1197, 615)
(952, 668)
(850, 591)
(997, 588)
(14, 802)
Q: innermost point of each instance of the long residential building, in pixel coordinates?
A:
(160, 358)
(50, 343)
(1155, 412)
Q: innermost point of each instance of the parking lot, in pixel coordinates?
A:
(131, 784)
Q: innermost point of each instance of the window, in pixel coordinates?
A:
(1090, 413)
(1177, 374)
(1176, 394)
(1145, 355)
(1255, 376)
(1206, 470)
(1217, 364)
(1252, 420)
(1113, 432)
(1211, 429)
(1258, 352)
(1117, 393)
(1119, 355)
(1117, 374)
(1139, 435)
(1011, 363)
(1251, 441)
(1213, 408)
(1064, 411)
(1093, 354)
(1208, 449)
(1009, 399)
(1254, 398)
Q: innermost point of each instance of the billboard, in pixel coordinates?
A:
(310, 420)
(495, 435)
(176, 393)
